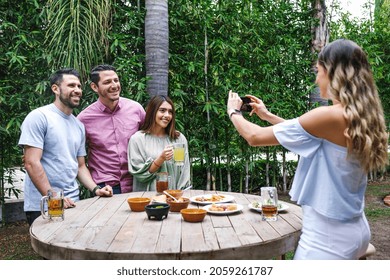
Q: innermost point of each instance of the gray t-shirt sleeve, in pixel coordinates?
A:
(33, 130)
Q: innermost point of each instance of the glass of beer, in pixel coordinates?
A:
(55, 205)
(269, 203)
(178, 154)
(162, 182)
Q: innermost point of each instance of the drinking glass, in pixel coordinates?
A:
(55, 205)
(162, 182)
(178, 154)
(269, 203)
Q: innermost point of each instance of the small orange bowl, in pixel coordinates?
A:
(177, 206)
(137, 204)
(175, 193)
(193, 215)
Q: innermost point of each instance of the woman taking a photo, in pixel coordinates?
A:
(151, 148)
(337, 144)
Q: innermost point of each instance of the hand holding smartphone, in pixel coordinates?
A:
(245, 104)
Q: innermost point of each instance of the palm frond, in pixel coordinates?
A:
(77, 33)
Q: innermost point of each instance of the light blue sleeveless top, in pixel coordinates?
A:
(325, 179)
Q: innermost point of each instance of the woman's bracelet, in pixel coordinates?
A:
(156, 164)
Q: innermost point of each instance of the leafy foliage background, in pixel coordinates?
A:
(252, 47)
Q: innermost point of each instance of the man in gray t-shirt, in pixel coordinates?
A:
(53, 141)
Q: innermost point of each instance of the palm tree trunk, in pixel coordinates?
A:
(320, 38)
(156, 46)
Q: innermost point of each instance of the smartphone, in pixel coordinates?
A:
(245, 104)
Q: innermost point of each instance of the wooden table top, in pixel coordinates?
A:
(106, 228)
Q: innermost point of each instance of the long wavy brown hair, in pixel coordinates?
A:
(151, 112)
(352, 84)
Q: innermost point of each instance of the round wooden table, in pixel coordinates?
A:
(106, 228)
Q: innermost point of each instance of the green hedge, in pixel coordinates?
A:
(257, 176)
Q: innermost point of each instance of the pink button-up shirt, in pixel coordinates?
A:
(107, 137)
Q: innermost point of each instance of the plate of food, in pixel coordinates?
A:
(223, 208)
(211, 198)
(256, 206)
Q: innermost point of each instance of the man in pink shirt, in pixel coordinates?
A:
(109, 123)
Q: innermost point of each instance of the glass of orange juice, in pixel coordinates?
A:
(178, 153)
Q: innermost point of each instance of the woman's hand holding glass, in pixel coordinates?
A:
(167, 153)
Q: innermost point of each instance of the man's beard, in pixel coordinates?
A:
(67, 101)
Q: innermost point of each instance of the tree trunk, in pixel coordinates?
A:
(320, 38)
(156, 47)
(284, 171)
(210, 162)
(208, 184)
(220, 174)
(267, 181)
(229, 177)
(247, 176)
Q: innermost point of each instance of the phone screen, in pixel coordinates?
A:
(245, 104)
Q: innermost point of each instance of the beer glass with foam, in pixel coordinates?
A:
(269, 203)
(55, 205)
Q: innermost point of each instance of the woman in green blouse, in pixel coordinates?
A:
(150, 149)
